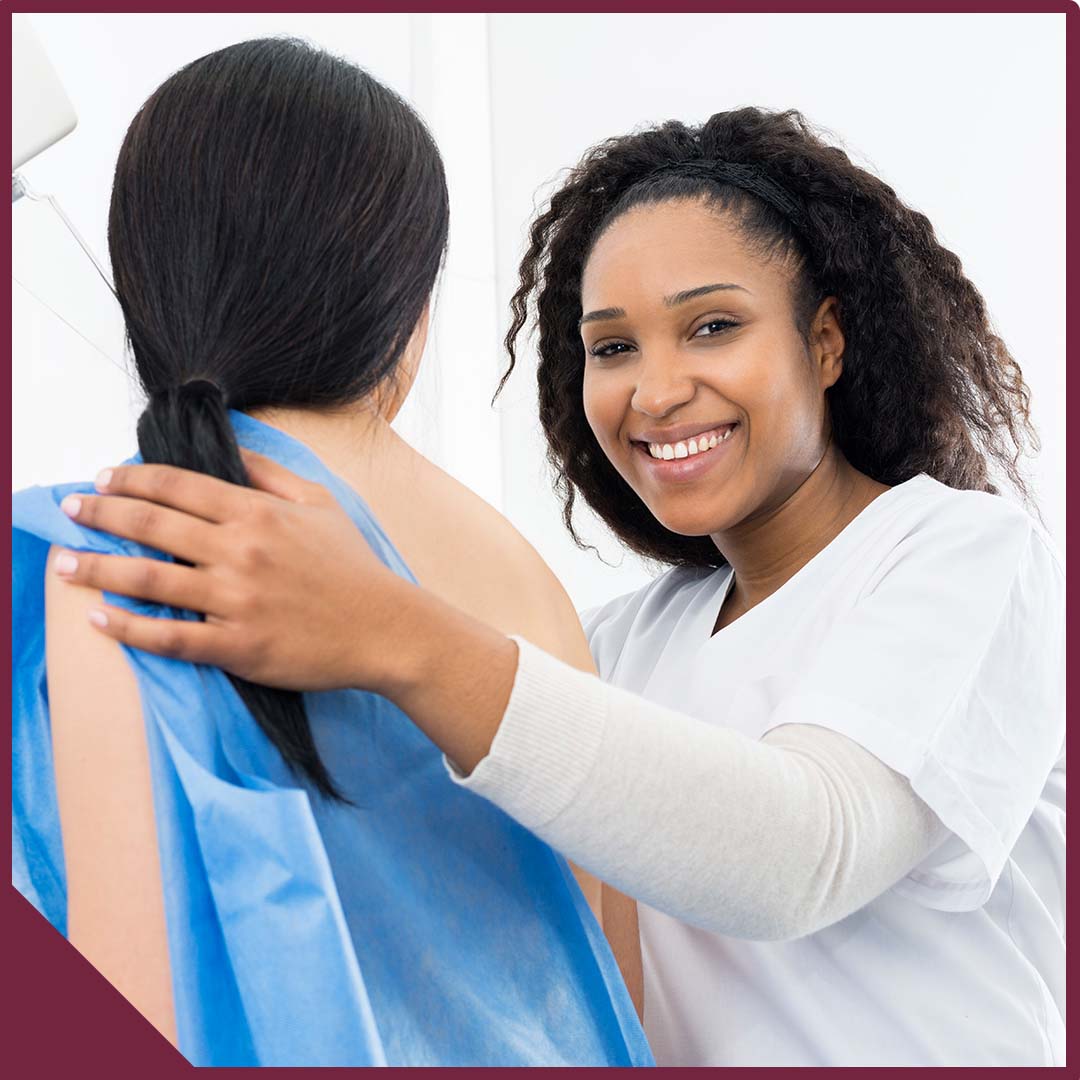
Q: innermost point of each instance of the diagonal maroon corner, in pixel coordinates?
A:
(63, 1016)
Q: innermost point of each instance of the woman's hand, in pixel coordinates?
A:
(292, 593)
(293, 597)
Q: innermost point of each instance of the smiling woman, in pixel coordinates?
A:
(827, 753)
(843, 277)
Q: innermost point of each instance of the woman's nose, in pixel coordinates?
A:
(661, 386)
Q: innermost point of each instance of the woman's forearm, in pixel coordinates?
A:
(759, 839)
(767, 839)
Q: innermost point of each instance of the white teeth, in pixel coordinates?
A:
(697, 445)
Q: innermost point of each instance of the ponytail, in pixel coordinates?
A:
(188, 426)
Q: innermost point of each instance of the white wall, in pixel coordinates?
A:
(963, 115)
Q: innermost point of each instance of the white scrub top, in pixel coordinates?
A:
(930, 631)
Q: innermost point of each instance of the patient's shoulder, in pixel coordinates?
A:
(462, 548)
(78, 654)
(96, 716)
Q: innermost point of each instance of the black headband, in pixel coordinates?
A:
(748, 177)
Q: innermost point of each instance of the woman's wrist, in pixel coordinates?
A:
(450, 673)
(383, 658)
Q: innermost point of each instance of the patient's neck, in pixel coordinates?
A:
(354, 441)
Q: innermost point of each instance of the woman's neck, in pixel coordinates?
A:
(768, 549)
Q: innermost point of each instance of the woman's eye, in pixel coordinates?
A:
(609, 348)
(714, 326)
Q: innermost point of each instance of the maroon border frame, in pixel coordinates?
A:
(62, 1017)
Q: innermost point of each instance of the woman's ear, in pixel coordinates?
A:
(827, 342)
(418, 342)
(392, 395)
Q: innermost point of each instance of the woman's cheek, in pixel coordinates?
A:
(601, 409)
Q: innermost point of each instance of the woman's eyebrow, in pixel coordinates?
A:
(701, 290)
(669, 301)
(601, 314)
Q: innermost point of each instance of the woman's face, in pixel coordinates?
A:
(698, 386)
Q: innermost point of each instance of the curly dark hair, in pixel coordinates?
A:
(927, 386)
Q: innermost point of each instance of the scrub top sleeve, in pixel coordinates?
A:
(606, 627)
(950, 668)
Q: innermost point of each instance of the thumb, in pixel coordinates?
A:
(267, 475)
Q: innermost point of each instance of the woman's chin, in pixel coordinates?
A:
(687, 521)
(698, 509)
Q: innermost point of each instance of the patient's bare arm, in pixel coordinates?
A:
(116, 915)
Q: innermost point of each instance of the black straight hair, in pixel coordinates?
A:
(277, 222)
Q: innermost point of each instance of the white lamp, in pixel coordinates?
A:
(41, 113)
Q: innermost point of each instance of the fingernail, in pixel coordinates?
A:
(98, 617)
(66, 564)
(71, 505)
(101, 481)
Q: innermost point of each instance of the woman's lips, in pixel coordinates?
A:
(681, 469)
